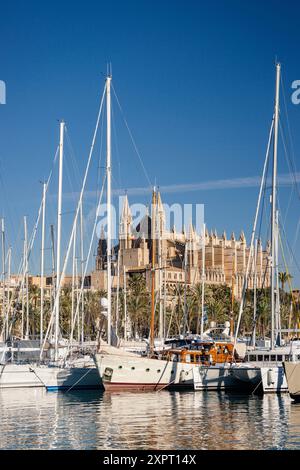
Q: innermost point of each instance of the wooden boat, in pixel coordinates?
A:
(170, 369)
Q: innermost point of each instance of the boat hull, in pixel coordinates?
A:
(265, 378)
(75, 378)
(142, 374)
(18, 376)
(292, 374)
(218, 377)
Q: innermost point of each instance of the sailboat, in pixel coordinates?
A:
(263, 367)
(61, 372)
(16, 354)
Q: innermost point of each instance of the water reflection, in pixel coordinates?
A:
(35, 419)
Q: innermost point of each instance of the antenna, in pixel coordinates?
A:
(109, 69)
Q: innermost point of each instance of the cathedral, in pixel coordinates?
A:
(178, 256)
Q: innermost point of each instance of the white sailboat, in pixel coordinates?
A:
(263, 368)
(61, 372)
(16, 353)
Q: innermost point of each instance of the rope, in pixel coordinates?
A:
(79, 380)
(74, 223)
(259, 383)
(132, 139)
(86, 266)
(17, 292)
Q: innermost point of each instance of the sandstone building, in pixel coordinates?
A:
(178, 256)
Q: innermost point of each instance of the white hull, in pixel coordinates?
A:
(18, 376)
(269, 378)
(65, 378)
(292, 375)
(121, 372)
(128, 372)
(218, 377)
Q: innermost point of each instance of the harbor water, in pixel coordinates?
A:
(36, 419)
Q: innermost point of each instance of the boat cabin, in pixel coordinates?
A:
(275, 357)
(205, 353)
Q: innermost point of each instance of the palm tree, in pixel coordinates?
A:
(138, 305)
(284, 277)
(263, 309)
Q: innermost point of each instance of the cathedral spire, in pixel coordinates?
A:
(160, 213)
(191, 232)
(125, 224)
(126, 213)
(101, 250)
(242, 237)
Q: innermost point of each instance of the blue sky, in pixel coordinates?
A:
(196, 83)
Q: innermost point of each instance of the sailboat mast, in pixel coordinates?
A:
(161, 313)
(42, 264)
(59, 215)
(185, 289)
(3, 273)
(108, 175)
(118, 295)
(233, 281)
(82, 273)
(254, 293)
(125, 303)
(277, 303)
(73, 285)
(274, 194)
(203, 282)
(164, 302)
(53, 265)
(26, 277)
(153, 272)
(9, 285)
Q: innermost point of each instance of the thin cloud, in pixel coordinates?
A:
(284, 179)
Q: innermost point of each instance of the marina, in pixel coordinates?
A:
(149, 230)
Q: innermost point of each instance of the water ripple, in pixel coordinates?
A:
(35, 419)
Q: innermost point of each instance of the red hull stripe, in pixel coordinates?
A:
(139, 386)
